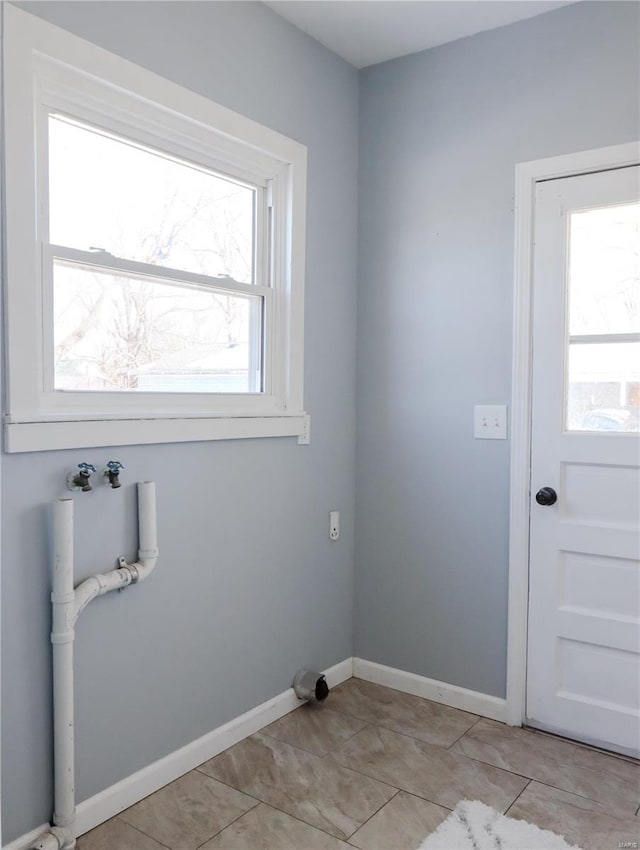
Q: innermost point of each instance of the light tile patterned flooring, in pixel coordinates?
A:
(377, 769)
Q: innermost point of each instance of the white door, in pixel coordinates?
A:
(583, 673)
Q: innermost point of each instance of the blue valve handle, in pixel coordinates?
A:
(114, 466)
(87, 468)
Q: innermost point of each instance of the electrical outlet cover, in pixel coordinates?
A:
(334, 525)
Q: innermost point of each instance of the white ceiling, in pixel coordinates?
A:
(365, 32)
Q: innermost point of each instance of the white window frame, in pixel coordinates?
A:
(48, 69)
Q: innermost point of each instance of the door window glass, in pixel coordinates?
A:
(603, 387)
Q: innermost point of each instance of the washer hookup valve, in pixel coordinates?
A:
(112, 474)
(81, 480)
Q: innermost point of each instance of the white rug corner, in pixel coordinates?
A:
(475, 826)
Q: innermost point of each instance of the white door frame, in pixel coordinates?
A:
(527, 175)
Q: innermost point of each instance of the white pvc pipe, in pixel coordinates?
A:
(62, 634)
(100, 584)
(67, 605)
(147, 529)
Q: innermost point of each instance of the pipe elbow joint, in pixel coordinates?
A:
(55, 838)
(148, 556)
(144, 566)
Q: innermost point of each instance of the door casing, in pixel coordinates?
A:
(527, 175)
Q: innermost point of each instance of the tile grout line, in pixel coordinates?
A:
(580, 745)
(438, 705)
(370, 724)
(310, 825)
(466, 732)
(329, 707)
(149, 796)
(349, 837)
(289, 815)
(444, 750)
(259, 801)
(311, 752)
(560, 764)
(228, 785)
(335, 763)
(378, 724)
(411, 698)
(235, 820)
(529, 779)
(297, 746)
(329, 752)
(513, 802)
(535, 779)
(495, 766)
(308, 752)
(131, 826)
(389, 785)
(342, 711)
(478, 760)
(602, 811)
(443, 747)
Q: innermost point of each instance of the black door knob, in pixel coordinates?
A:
(546, 496)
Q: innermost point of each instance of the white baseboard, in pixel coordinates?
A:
(420, 686)
(118, 797)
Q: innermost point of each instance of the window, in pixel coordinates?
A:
(155, 256)
(604, 319)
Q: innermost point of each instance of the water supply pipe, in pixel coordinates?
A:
(67, 605)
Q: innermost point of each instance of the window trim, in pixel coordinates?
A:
(47, 68)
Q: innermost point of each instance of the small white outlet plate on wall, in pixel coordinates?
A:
(334, 525)
(490, 421)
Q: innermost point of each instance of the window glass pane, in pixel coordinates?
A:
(604, 270)
(604, 387)
(119, 333)
(107, 193)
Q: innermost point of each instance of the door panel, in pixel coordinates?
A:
(594, 584)
(599, 493)
(583, 676)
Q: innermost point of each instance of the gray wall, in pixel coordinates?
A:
(440, 134)
(248, 587)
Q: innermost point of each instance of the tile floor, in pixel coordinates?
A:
(377, 769)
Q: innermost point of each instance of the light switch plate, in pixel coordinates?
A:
(490, 421)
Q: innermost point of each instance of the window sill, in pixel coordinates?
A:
(77, 434)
